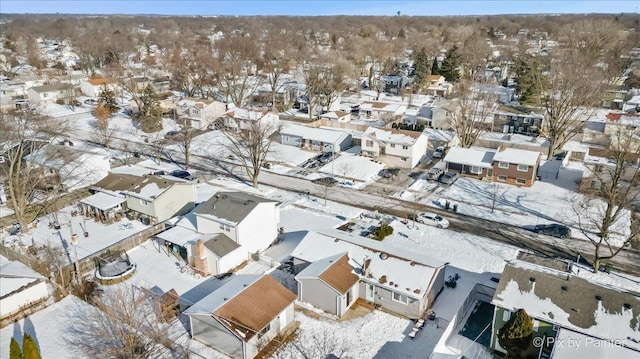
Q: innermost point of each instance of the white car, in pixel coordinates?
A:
(438, 152)
(432, 219)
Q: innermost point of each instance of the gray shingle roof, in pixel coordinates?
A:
(52, 87)
(230, 206)
(219, 244)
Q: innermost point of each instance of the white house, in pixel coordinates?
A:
(249, 220)
(48, 94)
(384, 111)
(240, 119)
(242, 316)
(199, 112)
(20, 287)
(93, 87)
(401, 147)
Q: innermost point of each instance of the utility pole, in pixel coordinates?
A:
(74, 243)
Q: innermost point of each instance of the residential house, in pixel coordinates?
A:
(200, 113)
(329, 284)
(399, 280)
(599, 167)
(388, 112)
(71, 79)
(240, 119)
(394, 84)
(93, 87)
(499, 93)
(402, 148)
(338, 116)
(153, 199)
(627, 123)
(20, 287)
(250, 221)
(567, 301)
(315, 139)
(285, 95)
(510, 120)
(508, 165)
(615, 98)
(49, 94)
(433, 116)
(242, 316)
(438, 86)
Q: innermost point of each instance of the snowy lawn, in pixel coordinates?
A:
(353, 167)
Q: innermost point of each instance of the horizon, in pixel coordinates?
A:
(317, 8)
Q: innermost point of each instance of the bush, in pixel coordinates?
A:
(382, 231)
(14, 349)
(60, 101)
(515, 335)
(30, 348)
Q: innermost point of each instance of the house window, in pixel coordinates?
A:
(506, 315)
(521, 181)
(598, 168)
(595, 184)
(403, 158)
(221, 226)
(400, 298)
(502, 178)
(405, 147)
(523, 168)
(369, 143)
(503, 164)
(475, 170)
(143, 202)
(393, 145)
(195, 112)
(227, 228)
(264, 331)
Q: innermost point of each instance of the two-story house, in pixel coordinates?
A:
(388, 112)
(402, 148)
(393, 84)
(199, 113)
(510, 120)
(49, 94)
(599, 167)
(438, 86)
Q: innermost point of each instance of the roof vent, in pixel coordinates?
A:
(383, 256)
(225, 298)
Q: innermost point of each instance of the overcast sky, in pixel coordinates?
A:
(302, 7)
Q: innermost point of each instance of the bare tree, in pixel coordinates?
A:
(277, 59)
(474, 55)
(470, 113)
(183, 140)
(605, 207)
(104, 131)
(125, 322)
(345, 168)
(319, 345)
(324, 79)
(251, 146)
(236, 57)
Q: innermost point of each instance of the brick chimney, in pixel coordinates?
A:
(200, 262)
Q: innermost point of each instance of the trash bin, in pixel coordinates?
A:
(455, 208)
(446, 205)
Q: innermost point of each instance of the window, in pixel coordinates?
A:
(400, 298)
(502, 178)
(523, 168)
(598, 168)
(393, 145)
(227, 228)
(194, 111)
(369, 143)
(503, 164)
(475, 170)
(521, 181)
(403, 158)
(264, 331)
(536, 324)
(221, 226)
(143, 202)
(405, 147)
(506, 315)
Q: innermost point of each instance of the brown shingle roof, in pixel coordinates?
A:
(101, 81)
(339, 275)
(255, 307)
(125, 182)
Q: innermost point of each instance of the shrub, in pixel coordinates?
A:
(515, 335)
(382, 231)
(14, 349)
(30, 348)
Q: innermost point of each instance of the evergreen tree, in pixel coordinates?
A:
(30, 348)
(530, 81)
(449, 68)
(107, 99)
(421, 67)
(435, 70)
(14, 349)
(150, 115)
(515, 335)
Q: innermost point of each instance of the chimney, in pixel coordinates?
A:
(200, 263)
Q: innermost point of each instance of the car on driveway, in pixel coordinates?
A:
(432, 219)
(438, 152)
(554, 229)
(435, 173)
(389, 172)
(183, 175)
(448, 178)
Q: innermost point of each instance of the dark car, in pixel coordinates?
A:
(556, 230)
(171, 134)
(448, 178)
(389, 172)
(325, 181)
(183, 174)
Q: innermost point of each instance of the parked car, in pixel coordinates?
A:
(171, 134)
(389, 172)
(438, 152)
(432, 219)
(554, 229)
(90, 102)
(325, 181)
(435, 173)
(449, 177)
(183, 174)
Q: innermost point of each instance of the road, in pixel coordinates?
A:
(378, 197)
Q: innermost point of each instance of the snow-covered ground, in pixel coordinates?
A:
(350, 166)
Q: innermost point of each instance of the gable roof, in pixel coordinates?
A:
(246, 304)
(312, 133)
(520, 157)
(52, 87)
(470, 157)
(145, 187)
(101, 81)
(335, 271)
(570, 301)
(230, 206)
(392, 135)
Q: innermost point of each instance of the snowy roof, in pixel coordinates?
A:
(145, 187)
(52, 87)
(382, 106)
(335, 271)
(178, 235)
(470, 157)
(230, 206)
(398, 270)
(314, 134)
(395, 136)
(103, 201)
(15, 275)
(586, 347)
(196, 102)
(246, 304)
(570, 301)
(513, 155)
